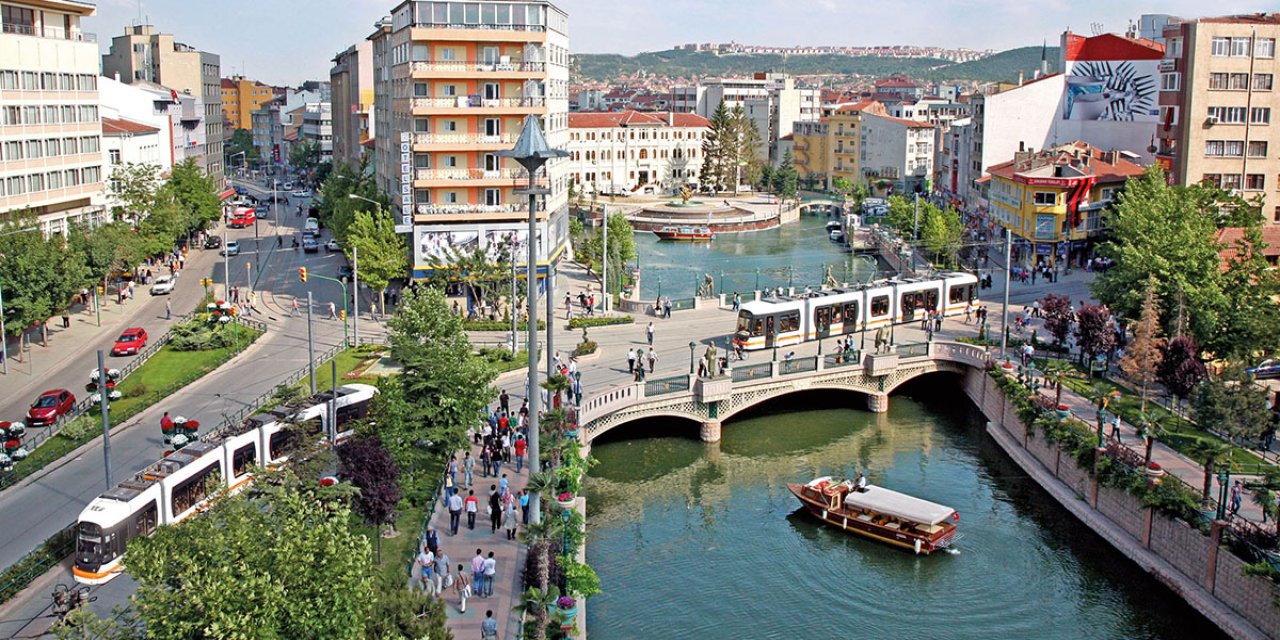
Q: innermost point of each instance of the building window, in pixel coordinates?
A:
(1262, 82)
(114, 154)
(1240, 47)
(1169, 115)
(1227, 115)
(1221, 47)
(1258, 149)
(1254, 182)
(1169, 81)
(1045, 198)
(1265, 48)
(18, 20)
(1260, 115)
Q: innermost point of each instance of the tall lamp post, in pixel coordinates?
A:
(532, 152)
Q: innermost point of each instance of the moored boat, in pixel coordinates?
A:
(879, 513)
(687, 234)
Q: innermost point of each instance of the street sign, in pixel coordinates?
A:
(404, 228)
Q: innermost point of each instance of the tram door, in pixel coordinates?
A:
(822, 321)
(770, 331)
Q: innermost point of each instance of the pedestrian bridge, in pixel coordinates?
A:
(709, 401)
(822, 207)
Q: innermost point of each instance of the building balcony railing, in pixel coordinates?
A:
(476, 102)
(48, 32)
(482, 27)
(460, 66)
(463, 208)
(467, 174)
(463, 138)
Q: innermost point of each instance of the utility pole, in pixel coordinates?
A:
(551, 315)
(604, 260)
(106, 417)
(915, 225)
(4, 339)
(311, 347)
(511, 251)
(355, 296)
(226, 267)
(333, 404)
(1008, 276)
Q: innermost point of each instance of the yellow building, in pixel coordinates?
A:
(811, 153)
(1052, 200)
(241, 97)
(845, 139)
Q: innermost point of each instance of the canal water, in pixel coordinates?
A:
(795, 254)
(704, 541)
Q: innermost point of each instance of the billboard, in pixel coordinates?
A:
(1116, 90)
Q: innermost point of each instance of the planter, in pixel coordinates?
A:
(570, 433)
(1154, 471)
(567, 505)
(569, 614)
(1063, 412)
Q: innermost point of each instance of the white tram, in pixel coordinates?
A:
(784, 320)
(177, 487)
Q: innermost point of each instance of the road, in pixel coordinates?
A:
(43, 504)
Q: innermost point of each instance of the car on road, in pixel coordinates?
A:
(309, 245)
(163, 285)
(311, 227)
(301, 193)
(332, 245)
(213, 242)
(1265, 369)
(232, 249)
(288, 186)
(241, 190)
(130, 342)
(345, 272)
(49, 407)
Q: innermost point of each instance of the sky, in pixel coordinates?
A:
(288, 41)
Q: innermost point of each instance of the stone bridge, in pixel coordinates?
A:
(824, 207)
(709, 401)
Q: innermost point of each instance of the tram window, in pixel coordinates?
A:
(789, 322)
(744, 322)
(931, 299)
(144, 521)
(909, 302)
(768, 326)
(850, 315)
(959, 293)
(353, 411)
(879, 306)
(822, 317)
(192, 490)
(242, 459)
(283, 442)
(757, 329)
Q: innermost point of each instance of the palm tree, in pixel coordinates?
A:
(556, 385)
(536, 602)
(1208, 452)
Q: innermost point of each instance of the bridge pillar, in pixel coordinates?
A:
(710, 431)
(878, 402)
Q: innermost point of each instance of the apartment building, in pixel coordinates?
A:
(771, 100)
(630, 150)
(1219, 105)
(241, 97)
(847, 139)
(145, 54)
(453, 83)
(317, 128)
(51, 162)
(811, 153)
(896, 154)
(351, 82)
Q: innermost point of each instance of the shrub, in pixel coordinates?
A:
(82, 428)
(200, 336)
(585, 348)
(601, 321)
(136, 391)
(498, 325)
(579, 578)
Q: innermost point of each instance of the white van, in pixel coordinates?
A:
(312, 227)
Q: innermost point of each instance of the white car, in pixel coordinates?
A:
(288, 186)
(301, 193)
(163, 285)
(332, 245)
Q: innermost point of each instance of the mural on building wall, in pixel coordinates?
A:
(1117, 90)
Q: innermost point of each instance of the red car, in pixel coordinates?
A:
(130, 342)
(50, 406)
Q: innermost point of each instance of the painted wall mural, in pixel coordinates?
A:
(1116, 90)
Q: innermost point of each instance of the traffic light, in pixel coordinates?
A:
(342, 315)
(302, 274)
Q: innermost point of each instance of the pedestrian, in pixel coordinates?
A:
(455, 512)
(426, 565)
(293, 308)
(168, 313)
(503, 485)
(470, 505)
(648, 333)
(524, 506)
(1236, 497)
(490, 572)
(477, 573)
(333, 311)
(653, 359)
(666, 304)
(66, 319)
(488, 628)
(462, 585)
(441, 573)
(737, 301)
(495, 459)
(468, 466)
(631, 360)
(504, 402)
(495, 508)
(520, 447)
(510, 520)
(453, 468)
(432, 540)
(968, 312)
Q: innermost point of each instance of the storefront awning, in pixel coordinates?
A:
(226, 195)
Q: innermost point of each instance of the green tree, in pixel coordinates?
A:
(194, 192)
(241, 142)
(1232, 404)
(842, 186)
(1157, 231)
(305, 155)
(622, 248)
(135, 185)
(1143, 357)
(785, 181)
(941, 232)
(337, 209)
(397, 612)
(383, 255)
(446, 387)
(718, 164)
(38, 275)
(274, 563)
(744, 153)
(1249, 320)
(902, 215)
(1208, 452)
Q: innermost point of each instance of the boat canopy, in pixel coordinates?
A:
(898, 505)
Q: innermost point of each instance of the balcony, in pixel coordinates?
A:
(466, 209)
(454, 68)
(476, 102)
(471, 141)
(56, 33)
(467, 174)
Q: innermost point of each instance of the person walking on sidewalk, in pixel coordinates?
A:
(468, 467)
(426, 564)
(489, 628)
(520, 447)
(648, 333)
(490, 572)
(495, 508)
(471, 504)
(333, 311)
(653, 359)
(510, 520)
(477, 572)
(441, 572)
(631, 360)
(455, 513)
(293, 308)
(462, 584)
(168, 311)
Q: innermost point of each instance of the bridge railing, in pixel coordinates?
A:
(663, 386)
(798, 365)
(837, 360)
(918, 350)
(609, 401)
(753, 372)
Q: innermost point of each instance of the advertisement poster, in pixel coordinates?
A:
(1114, 90)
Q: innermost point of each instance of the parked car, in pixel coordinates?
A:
(163, 286)
(332, 245)
(1265, 369)
(288, 186)
(345, 272)
(232, 249)
(49, 407)
(301, 193)
(309, 245)
(133, 340)
(213, 242)
(311, 227)
(241, 190)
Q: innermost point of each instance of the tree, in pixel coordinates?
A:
(1180, 367)
(717, 150)
(746, 140)
(1208, 452)
(305, 155)
(273, 563)
(135, 185)
(842, 186)
(38, 275)
(1249, 321)
(242, 142)
(785, 182)
(365, 463)
(622, 248)
(1157, 231)
(901, 215)
(445, 386)
(941, 232)
(194, 192)
(1232, 404)
(1093, 333)
(1143, 357)
(537, 603)
(397, 612)
(337, 209)
(383, 255)
(1056, 311)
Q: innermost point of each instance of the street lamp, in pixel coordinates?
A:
(692, 345)
(532, 152)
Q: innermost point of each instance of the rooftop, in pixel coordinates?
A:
(119, 127)
(1247, 18)
(606, 120)
(1072, 160)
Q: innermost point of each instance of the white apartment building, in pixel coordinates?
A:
(626, 151)
(771, 100)
(952, 159)
(317, 127)
(51, 161)
(897, 151)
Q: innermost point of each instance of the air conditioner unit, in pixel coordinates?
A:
(1211, 120)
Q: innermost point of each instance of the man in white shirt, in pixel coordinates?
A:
(455, 512)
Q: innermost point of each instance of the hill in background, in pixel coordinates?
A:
(680, 63)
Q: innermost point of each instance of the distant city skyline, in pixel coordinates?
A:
(260, 38)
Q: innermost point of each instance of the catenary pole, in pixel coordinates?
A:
(106, 417)
(1008, 277)
(311, 347)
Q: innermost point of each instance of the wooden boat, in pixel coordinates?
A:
(880, 514)
(685, 234)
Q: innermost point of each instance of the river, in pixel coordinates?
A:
(792, 254)
(703, 541)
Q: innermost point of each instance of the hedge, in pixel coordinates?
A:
(601, 321)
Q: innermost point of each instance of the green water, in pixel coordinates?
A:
(704, 541)
(795, 254)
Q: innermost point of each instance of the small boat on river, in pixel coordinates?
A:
(685, 234)
(880, 514)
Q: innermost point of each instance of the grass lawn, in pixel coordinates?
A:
(348, 361)
(1178, 433)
